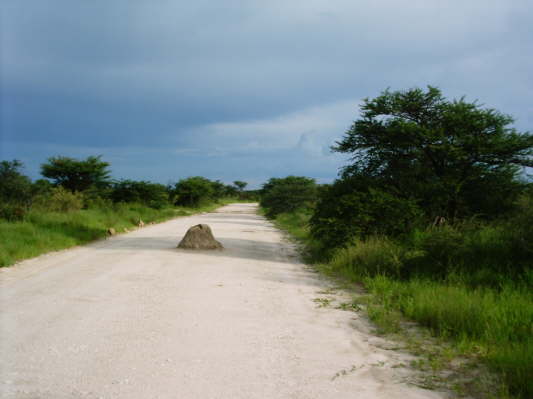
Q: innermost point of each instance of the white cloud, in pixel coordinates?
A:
(309, 129)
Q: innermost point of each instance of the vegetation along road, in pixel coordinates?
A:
(135, 317)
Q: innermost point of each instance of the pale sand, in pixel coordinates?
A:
(135, 317)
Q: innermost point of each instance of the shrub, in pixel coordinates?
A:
(193, 191)
(12, 212)
(151, 194)
(482, 254)
(288, 194)
(59, 200)
(351, 209)
(15, 190)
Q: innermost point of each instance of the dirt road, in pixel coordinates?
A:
(135, 317)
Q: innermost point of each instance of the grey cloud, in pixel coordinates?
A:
(275, 79)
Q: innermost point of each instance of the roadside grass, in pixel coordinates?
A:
(494, 326)
(297, 225)
(45, 231)
(476, 311)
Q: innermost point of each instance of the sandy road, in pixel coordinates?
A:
(134, 317)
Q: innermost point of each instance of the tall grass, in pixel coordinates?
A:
(297, 225)
(471, 284)
(42, 231)
(495, 324)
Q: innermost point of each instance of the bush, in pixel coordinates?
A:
(483, 254)
(193, 191)
(12, 212)
(41, 186)
(15, 190)
(59, 200)
(351, 209)
(288, 194)
(151, 194)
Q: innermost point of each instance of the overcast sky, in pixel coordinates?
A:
(235, 89)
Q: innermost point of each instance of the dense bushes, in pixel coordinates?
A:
(58, 199)
(150, 194)
(197, 190)
(193, 191)
(351, 208)
(15, 191)
(287, 194)
(482, 253)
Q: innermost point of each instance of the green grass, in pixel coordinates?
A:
(496, 325)
(44, 231)
(481, 304)
(295, 224)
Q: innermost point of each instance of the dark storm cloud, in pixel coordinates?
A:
(219, 88)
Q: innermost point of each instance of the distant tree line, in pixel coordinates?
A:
(72, 184)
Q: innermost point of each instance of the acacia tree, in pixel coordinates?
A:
(417, 145)
(240, 185)
(76, 175)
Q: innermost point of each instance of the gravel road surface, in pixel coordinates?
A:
(134, 317)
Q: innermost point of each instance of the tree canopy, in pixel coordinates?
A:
(76, 175)
(419, 145)
(417, 158)
(240, 184)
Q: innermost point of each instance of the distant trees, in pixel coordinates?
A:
(221, 190)
(240, 185)
(196, 190)
(193, 191)
(78, 184)
(76, 175)
(14, 186)
(153, 195)
(15, 190)
(287, 194)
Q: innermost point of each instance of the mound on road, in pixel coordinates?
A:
(199, 237)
